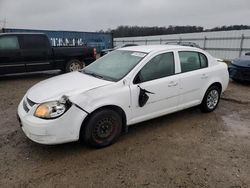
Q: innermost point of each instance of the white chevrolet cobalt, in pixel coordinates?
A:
(124, 87)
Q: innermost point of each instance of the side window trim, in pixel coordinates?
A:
(199, 59)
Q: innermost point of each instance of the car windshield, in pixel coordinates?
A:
(115, 65)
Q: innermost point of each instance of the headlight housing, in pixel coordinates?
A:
(53, 109)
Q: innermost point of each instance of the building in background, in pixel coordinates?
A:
(73, 38)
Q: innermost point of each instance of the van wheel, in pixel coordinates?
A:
(74, 65)
(102, 128)
(211, 99)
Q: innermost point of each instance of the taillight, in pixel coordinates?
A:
(94, 52)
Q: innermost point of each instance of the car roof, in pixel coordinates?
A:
(21, 33)
(155, 48)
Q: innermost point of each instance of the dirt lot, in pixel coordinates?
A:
(185, 149)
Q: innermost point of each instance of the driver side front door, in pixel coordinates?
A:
(157, 79)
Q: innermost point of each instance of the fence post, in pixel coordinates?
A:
(241, 44)
(160, 41)
(112, 40)
(146, 42)
(205, 43)
(180, 40)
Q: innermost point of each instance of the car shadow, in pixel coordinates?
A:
(166, 120)
(139, 129)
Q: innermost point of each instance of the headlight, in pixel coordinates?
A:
(51, 110)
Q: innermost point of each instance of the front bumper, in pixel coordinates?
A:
(56, 131)
(239, 73)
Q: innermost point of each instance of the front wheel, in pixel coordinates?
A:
(211, 99)
(74, 65)
(102, 128)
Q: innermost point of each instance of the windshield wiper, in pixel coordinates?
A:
(98, 76)
(93, 74)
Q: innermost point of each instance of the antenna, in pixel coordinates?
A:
(4, 22)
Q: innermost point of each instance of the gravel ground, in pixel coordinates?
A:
(185, 149)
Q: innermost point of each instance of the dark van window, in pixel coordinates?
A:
(34, 42)
(158, 67)
(9, 43)
(192, 61)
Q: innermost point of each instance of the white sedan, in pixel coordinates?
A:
(127, 86)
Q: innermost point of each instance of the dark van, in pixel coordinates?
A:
(28, 52)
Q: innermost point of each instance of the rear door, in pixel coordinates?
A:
(10, 56)
(194, 75)
(36, 52)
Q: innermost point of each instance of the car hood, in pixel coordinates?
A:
(69, 84)
(243, 61)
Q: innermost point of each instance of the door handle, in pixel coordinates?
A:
(172, 84)
(204, 76)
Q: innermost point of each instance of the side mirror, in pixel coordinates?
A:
(143, 97)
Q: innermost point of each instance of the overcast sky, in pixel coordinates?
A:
(94, 15)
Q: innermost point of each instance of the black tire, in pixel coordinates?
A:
(74, 65)
(211, 99)
(102, 128)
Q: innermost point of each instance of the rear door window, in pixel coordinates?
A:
(34, 42)
(9, 43)
(203, 59)
(191, 61)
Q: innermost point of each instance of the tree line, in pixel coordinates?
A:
(134, 31)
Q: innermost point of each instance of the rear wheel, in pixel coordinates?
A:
(74, 65)
(211, 99)
(102, 128)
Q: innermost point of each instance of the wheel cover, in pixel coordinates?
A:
(212, 99)
(104, 129)
(74, 66)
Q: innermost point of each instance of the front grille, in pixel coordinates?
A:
(31, 103)
(28, 104)
(25, 107)
(240, 73)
